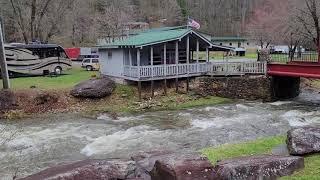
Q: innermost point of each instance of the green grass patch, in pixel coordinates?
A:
(260, 146)
(264, 146)
(65, 81)
(251, 55)
(220, 56)
(311, 170)
(125, 91)
(125, 101)
(171, 103)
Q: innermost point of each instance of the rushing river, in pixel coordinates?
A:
(47, 141)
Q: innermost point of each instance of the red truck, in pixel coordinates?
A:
(73, 53)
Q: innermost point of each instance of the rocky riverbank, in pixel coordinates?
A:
(124, 99)
(159, 165)
(23, 103)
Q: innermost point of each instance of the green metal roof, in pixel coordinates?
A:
(159, 35)
(228, 39)
(151, 37)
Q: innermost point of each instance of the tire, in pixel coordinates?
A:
(89, 68)
(58, 70)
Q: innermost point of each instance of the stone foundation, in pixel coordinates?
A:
(246, 87)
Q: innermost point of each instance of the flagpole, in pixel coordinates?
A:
(188, 22)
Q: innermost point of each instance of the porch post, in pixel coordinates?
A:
(208, 57)
(197, 55)
(138, 64)
(165, 67)
(130, 58)
(177, 63)
(192, 55)
(188, 61)
(152, 81)
(130, 63)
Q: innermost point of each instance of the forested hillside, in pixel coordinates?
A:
(81, 22)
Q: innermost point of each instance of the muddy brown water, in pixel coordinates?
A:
(50, 140)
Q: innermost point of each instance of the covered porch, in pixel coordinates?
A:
(185, 57)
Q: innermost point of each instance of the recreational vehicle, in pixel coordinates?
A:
(36, 59)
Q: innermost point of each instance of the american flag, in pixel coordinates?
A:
(193, 23)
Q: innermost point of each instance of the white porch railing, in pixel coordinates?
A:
(210, 68)
(237, 68)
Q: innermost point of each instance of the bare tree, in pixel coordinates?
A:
(79, 22)
(39, 19)
(309, 19)
(112, 19)
(272, 23)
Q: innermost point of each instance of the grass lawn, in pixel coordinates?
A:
(65, 81)
(263, 146)
(219, 56)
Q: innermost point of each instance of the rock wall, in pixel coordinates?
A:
(246, 87)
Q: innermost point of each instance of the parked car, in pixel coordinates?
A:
(91, 64)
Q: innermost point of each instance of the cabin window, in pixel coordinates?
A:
(109, 54)
(220, 44)
(95, 61)
(230, 44)
(248, 44)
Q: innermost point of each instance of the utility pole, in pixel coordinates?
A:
(2, 25)
(3, 63)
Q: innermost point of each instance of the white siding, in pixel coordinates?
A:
(112, 66)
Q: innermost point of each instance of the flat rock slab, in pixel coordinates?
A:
(89, 169)
(182, 167)
(258, 167)
(304, 140)
(94, 88)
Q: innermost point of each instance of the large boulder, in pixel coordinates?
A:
(89, 169)
(94, 88)
(182, 167)
(258, 167)
(7, 100)
(304, 140)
